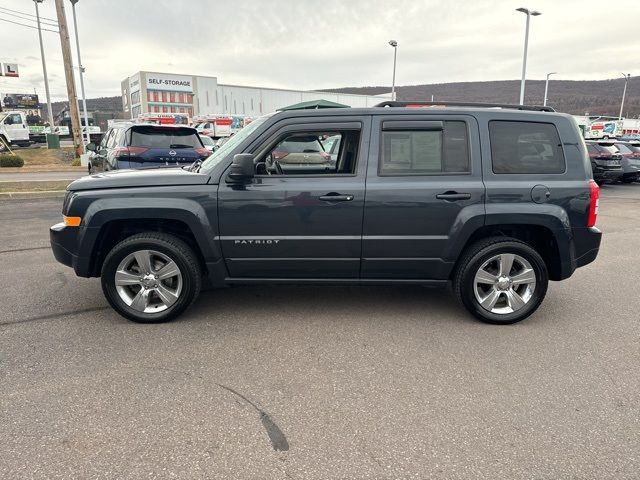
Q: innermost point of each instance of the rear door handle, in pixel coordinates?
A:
(453, 196)
(336, 197)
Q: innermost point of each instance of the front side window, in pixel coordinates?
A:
(525, 147)
(304, 153)
(426, 152)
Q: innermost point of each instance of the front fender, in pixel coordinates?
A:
(197, 212)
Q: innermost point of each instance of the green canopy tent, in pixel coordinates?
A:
(314, 105)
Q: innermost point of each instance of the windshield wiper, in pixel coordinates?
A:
(180, 145)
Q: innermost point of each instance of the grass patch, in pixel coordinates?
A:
(45, 156)
(33, 186)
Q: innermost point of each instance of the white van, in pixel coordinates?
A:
(13, 129)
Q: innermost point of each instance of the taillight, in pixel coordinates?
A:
(594, 203)
(137, 151)
(129, 151)
(203, 152)
(278, 154)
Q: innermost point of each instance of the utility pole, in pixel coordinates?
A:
(44, 69)
(81, 68)
(68, 73)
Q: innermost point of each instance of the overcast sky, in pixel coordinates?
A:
(310, 44)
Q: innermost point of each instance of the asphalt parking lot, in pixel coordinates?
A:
(318, 382)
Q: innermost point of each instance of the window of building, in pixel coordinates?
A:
(304, 153)
(417, 150)
(172, 97)
(525, 147)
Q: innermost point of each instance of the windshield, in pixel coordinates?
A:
(238, 138)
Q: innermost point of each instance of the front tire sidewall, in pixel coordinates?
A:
(542, 279)
(189, 284)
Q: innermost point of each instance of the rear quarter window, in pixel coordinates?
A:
(525, 148)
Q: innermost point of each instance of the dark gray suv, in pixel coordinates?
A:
(495, 199)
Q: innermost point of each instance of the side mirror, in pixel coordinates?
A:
(242, 169)
(91, 147)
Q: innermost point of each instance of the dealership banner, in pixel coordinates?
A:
(19, 100)
(169, 83)
(9, 69)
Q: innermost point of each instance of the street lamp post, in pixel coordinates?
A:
(81, 68)
(529, 13)
(394, 44)
(627, 77)
(44, 68)
(546, 87)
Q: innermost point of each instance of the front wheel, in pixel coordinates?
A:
(501, 280)
(151, 277)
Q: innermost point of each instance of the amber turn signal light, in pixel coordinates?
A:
(72, 221)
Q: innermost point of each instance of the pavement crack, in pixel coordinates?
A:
(276, 436)
(53, 316)
(25, 249)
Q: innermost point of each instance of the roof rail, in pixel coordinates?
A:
(535, 108)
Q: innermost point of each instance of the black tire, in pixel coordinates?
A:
(479, 253)
(169, 245)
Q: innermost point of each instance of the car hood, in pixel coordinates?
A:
(155, 177)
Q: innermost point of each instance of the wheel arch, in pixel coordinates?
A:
(108, 222)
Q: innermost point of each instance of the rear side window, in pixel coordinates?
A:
(426, 152)
(153, 137)
(525, 147)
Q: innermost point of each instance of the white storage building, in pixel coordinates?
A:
(154, 92)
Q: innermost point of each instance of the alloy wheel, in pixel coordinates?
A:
(504, 284)
(148, 281)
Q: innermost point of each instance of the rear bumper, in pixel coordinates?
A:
(600, 173)
(587, 245)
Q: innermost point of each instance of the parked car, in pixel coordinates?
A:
(496, 201)
(331, 145)
(302, 152)
(630, 160)
(208, 142)
(606, 162)
(146, 146)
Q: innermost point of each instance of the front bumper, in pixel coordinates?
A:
(64, 244)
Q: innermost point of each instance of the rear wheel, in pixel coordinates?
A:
(151, 277)
(501, 280)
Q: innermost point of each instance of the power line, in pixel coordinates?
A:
(28, 26)
(49, 24)
(29, 15)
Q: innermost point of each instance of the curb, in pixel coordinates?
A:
(27, 195)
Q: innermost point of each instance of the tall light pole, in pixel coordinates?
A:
(394, 44)
(529, 13)
(627, 77)
(81, 68)
(546, 87)
(44, 68)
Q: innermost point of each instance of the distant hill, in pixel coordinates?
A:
(104, 104)
(598, 97)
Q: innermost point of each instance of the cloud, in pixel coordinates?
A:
(311, 44)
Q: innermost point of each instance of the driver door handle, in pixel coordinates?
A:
(452, 196)
(336, 197)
